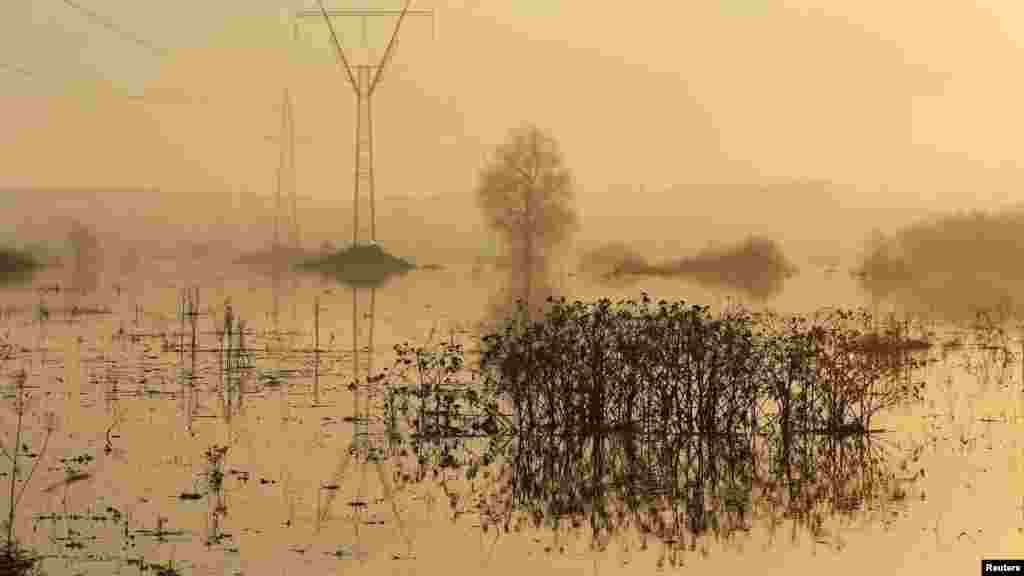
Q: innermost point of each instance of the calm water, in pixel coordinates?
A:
(119, 378)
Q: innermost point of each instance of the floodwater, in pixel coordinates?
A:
(125, 481)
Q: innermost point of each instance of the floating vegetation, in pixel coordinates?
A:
(164, 569)
(271, 378)
(362, 265)
(660, 418)
(43, 311)
(88, 310)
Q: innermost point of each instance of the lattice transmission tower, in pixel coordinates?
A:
(364, 78)
(285, 180)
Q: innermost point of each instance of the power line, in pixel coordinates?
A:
(161, 97)
(110, 25)
(101, 20)
(49, 80)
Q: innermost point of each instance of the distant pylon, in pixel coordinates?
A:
(286, 176)
(364, 78)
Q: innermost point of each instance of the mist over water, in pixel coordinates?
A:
(788, 234)
(286, 411)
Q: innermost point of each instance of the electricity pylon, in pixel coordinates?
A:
(286, 176)
(364, 79)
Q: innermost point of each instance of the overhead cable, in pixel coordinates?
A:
(110, 25)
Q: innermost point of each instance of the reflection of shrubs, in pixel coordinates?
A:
(86, 258)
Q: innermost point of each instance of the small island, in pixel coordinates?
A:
(359, 265)
(16, 266)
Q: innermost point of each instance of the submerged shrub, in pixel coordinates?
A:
(616, 408)
(15, 266)
(949, 265)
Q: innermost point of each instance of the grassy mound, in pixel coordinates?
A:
(15, 266)
(360, 265)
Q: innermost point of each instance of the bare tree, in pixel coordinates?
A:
(527, 196)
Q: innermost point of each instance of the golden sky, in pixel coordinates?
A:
(908, 102)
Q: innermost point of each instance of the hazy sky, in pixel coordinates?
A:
(909, 101)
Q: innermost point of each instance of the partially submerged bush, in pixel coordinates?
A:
(755, 266)
(621, 409)
(15, 265)
(952, 265)
(613, 261)
(15, 560)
